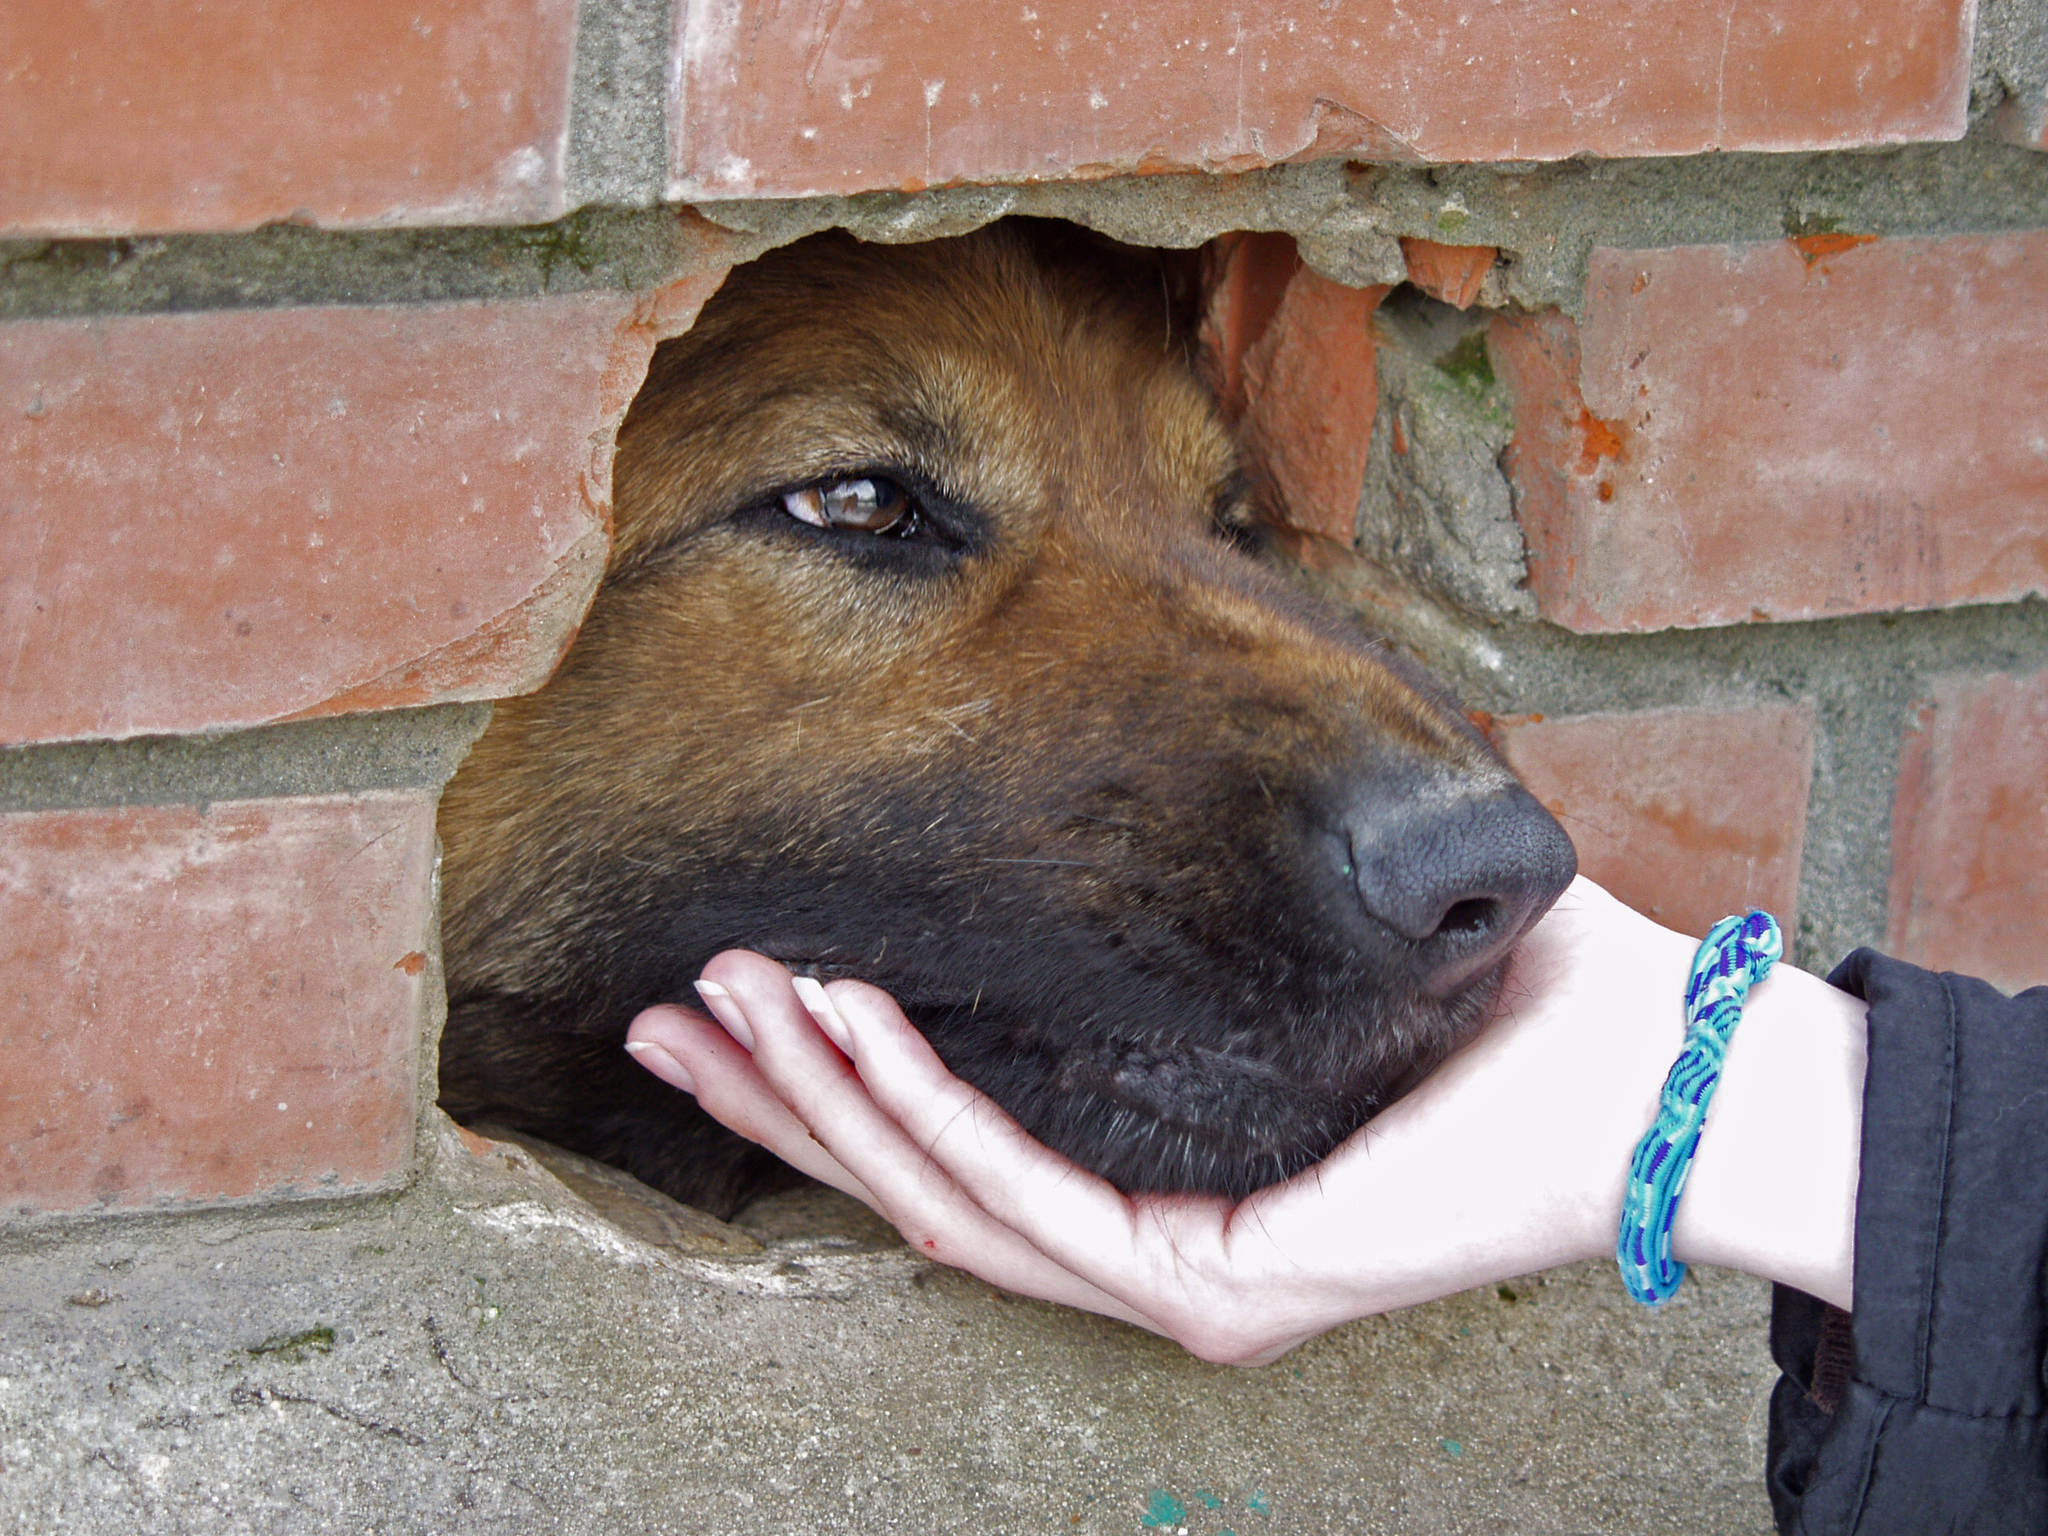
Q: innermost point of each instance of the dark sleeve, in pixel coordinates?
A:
(1924, 1412)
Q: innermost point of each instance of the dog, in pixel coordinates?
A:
(928, 654)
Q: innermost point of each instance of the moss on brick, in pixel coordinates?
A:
(1468, 364)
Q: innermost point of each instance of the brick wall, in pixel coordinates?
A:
(1677, 387)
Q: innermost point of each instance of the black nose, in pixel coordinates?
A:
(1459, 875)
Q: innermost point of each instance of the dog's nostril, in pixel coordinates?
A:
(1473, 915)
(1459, 877)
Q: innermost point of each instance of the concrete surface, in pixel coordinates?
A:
(487, 1354)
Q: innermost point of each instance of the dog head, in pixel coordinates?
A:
(925, 657)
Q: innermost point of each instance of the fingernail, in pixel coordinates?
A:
(818, 1002)
(727, 1012)
(662, 1064)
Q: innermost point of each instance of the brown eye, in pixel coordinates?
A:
(866, 505)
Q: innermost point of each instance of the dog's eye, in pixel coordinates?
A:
(868, 505)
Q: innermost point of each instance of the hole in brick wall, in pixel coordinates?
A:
(1436, 513)
(1374, 423)
(812, 489)
(1450, 338)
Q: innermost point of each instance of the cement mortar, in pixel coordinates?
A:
(350, 754)
(281, 264)
(485, 1354)
(2011, 53)
(1436, 509)
(1546, 219)
(618, 128)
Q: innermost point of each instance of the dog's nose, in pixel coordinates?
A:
(1460, 876)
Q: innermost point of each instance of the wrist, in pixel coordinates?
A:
(1772, 1190)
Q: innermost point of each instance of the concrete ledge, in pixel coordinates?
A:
(486, 1354)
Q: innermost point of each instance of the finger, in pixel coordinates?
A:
(725, 1081)
(1066, 1211)
(1166, 1256)
(1188, 1265)
(816, 1082)
(662, 1062)
(1240, 1283)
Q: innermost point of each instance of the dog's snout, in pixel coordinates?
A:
(1459, 876)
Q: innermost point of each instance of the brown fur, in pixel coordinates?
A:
(1061, 778)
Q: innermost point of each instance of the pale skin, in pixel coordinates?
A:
(1511, 1157)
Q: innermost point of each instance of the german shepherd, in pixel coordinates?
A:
(925, 656)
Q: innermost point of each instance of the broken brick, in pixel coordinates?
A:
(1827, 424)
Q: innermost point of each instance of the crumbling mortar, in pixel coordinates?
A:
(1545, 218)
(595, 250)
(2010, 55)
(1437, 509)
(617, 153)
(349, 754)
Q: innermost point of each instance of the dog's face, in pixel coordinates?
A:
(923, 659)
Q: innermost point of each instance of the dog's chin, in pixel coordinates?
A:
(1189, 1118)
(1270, 1135)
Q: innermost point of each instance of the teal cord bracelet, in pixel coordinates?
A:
(1735, 955)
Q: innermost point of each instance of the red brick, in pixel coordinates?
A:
(1785, 430)
(1969, 888)
(210, 1005)
(774, 101)
(126, 119)
(1245, 277)
(1291, 356)
(1685, 814)
(1452, 273)
(222, 519)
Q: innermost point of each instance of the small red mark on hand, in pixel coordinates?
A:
(412, 963)
(932, 1243)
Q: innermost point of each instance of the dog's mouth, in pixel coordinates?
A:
(1151, 1118)
(1187, 1117)
(1173, 1071)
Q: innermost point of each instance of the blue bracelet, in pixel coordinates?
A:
(1739, 952)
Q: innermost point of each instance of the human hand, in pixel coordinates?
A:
(1510, 1157)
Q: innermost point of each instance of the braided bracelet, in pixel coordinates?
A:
(1736, 954)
